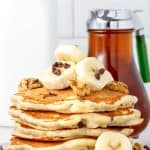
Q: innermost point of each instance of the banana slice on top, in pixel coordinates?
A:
(113, 141)
(58, 75)
(90, 71)
(69, 53)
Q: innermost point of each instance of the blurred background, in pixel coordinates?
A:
(31, 29)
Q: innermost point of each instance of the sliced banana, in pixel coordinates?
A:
(69, 53)
(90, 71)
(58, 75)
(113, 141)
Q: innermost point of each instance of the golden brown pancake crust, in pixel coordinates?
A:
(19, 141)
(110, 128)
(57, 116)
(46, 96)
(26, 132)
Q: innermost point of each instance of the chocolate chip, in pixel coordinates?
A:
(49, 95)
(112, 118)
(98, 73)
(54, 69)
(56, 72)
(101, 71)
(97, 76)
(146, 147)
(81, 124)
(121, 105)
(58, 64)
(66, 66)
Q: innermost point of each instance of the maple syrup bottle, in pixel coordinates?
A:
(111, 40)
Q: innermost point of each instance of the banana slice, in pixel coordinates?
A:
(90, 71)
(69, 53)
(58, 75)
(113, 141)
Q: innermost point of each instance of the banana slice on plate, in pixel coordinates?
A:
(69, 53)
(58, 75)
(90, 71)
(113, 141)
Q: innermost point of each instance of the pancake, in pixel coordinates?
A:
(66, 134)
(75, 144)
(66, 101)
(56, 121)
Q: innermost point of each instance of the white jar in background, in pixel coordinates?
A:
(27, 41)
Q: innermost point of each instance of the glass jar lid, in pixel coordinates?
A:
(110, 19)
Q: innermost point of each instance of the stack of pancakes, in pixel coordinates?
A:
(61, 120)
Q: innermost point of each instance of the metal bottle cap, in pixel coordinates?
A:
(105, 19)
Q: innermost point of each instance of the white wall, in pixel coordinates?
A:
(27, 38)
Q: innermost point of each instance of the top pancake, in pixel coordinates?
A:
(66, 101)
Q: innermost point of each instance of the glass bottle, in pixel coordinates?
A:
(111, 40)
